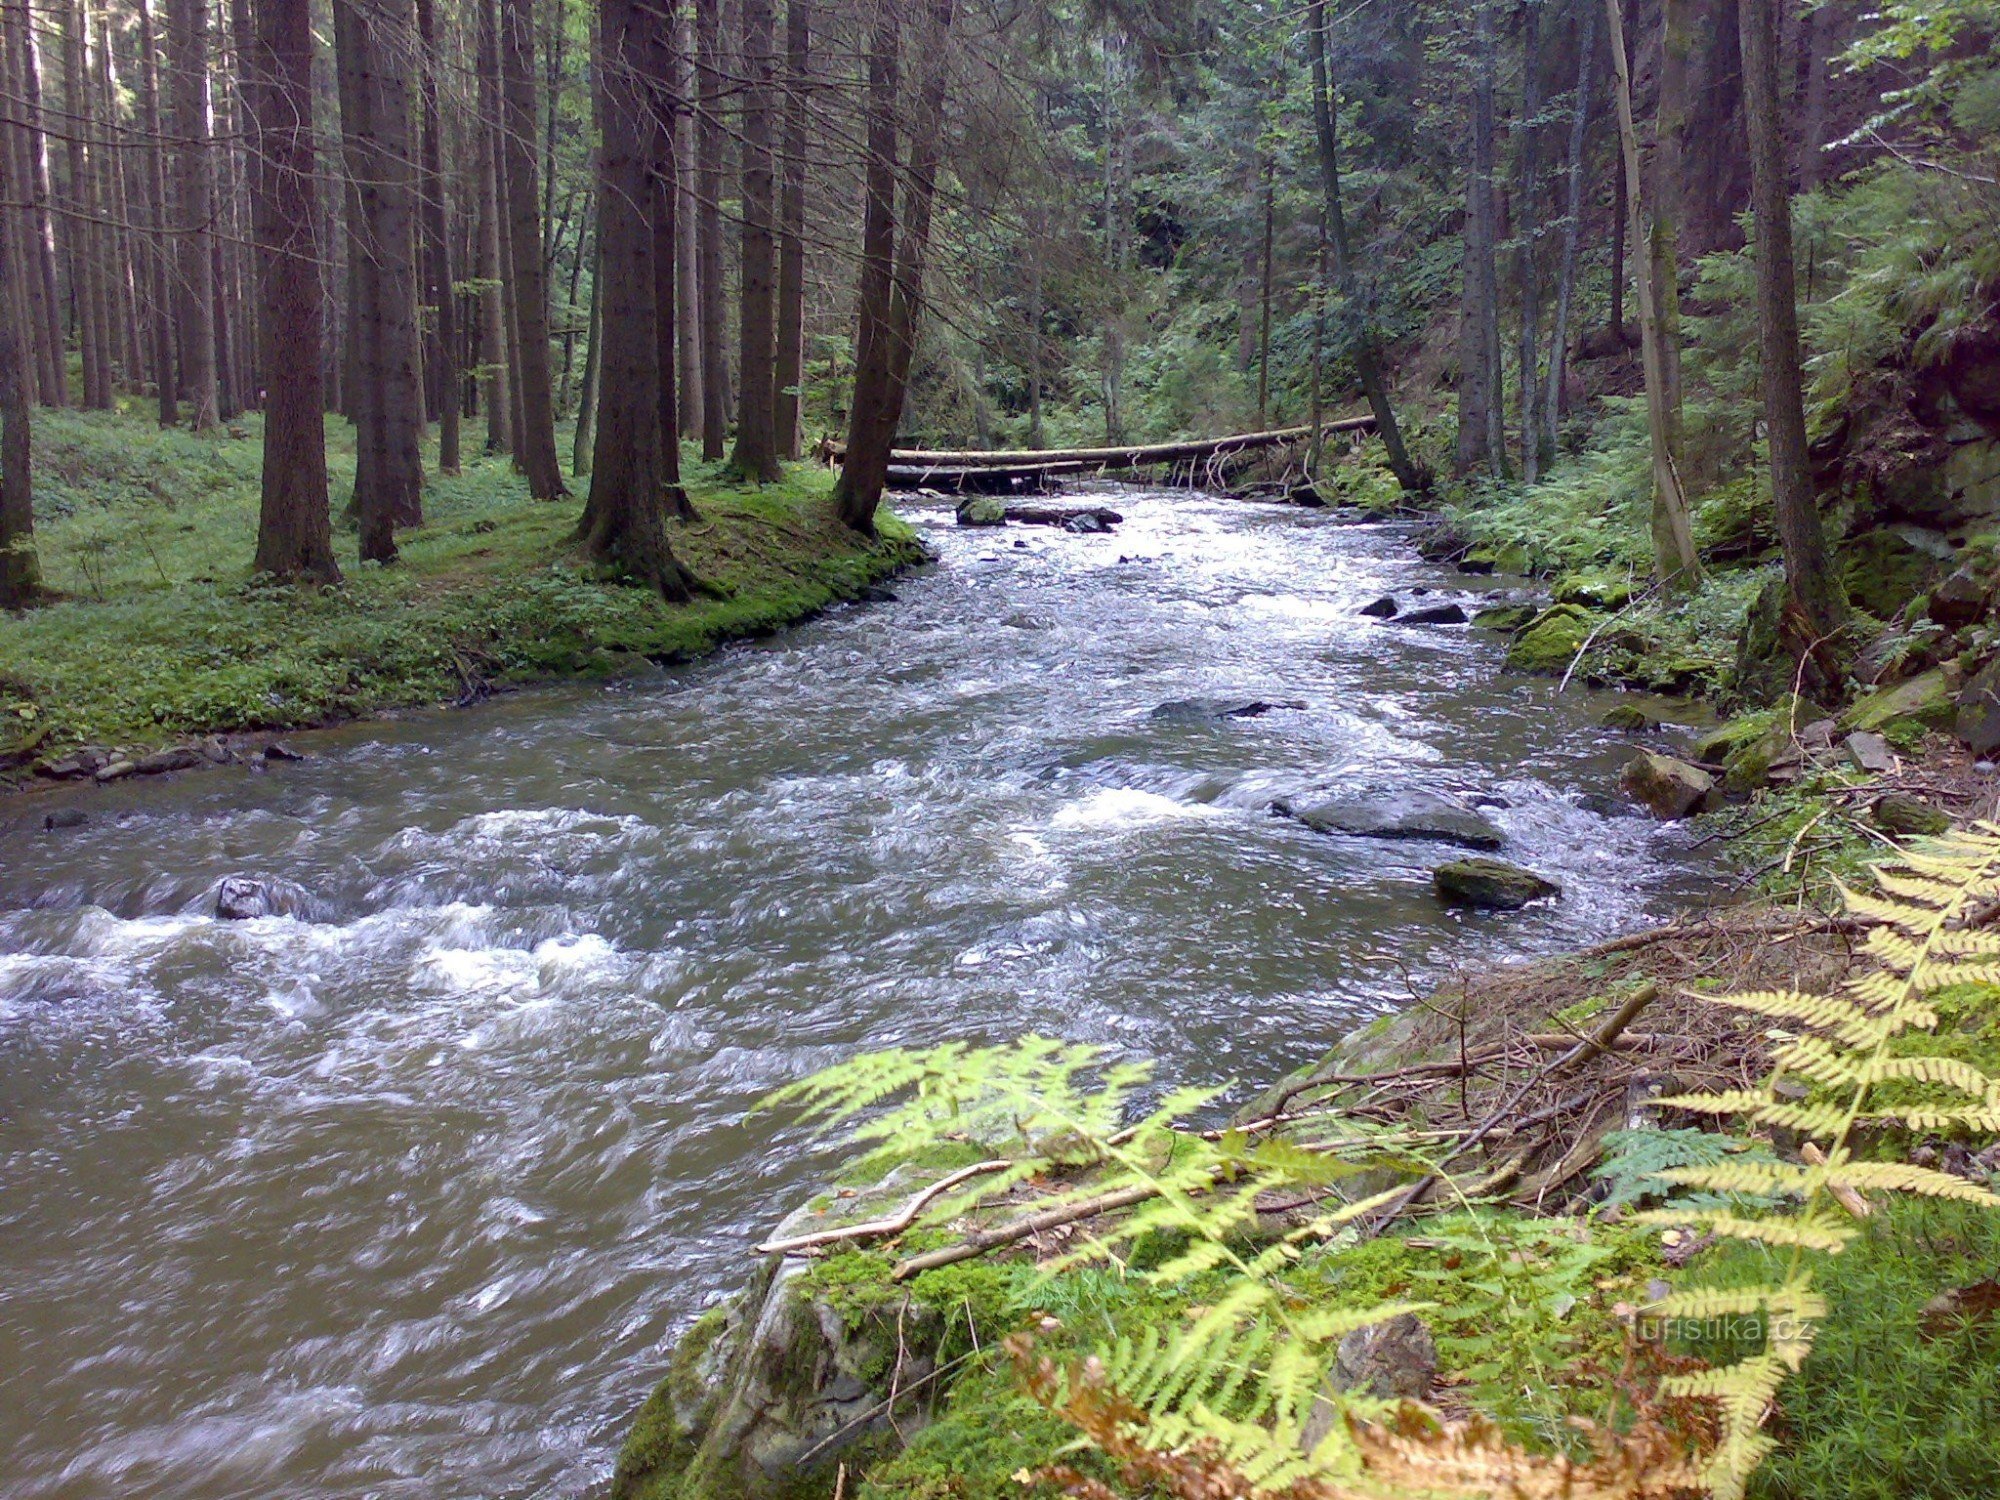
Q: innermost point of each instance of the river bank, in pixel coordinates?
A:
(162, 656)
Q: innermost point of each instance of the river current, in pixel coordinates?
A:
(410, 1199)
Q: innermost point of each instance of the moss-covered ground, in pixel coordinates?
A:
(161, 633)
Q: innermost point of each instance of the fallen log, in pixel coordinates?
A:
(1061, 515)
(1133, 457)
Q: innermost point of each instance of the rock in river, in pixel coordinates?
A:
(1195, 710)
(1412, 814)
(1434, 614)
(240, 898)
(1667, 788)
(1491, 884)
(1382, 609)
(982, 510)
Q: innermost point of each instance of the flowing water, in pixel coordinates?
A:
(409, 1200)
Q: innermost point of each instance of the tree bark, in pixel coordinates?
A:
(187, 47)
(158, 251)
(294, 530)
(624, 521)
(20, 566)
(790, 368)
(756, 453)
(81, 228)
(687, 256)
(1675, 560)
(1264, 280)
(441, 362)
(535, 442)
(1528, 233)
(663, 208)
(1366, 356)
(582, 442)
(1579, 142)
(52, 375)
(1816, 609)
(708, 188)
(494, 377)
(1480, 399)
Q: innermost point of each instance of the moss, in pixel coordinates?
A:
(1599, 590)
(1506, 617)
(1882, 571)
(986, 1433)
(164, 636)
(1924, 702)
(665, 1432)
(1551, 643)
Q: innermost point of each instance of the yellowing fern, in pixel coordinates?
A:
(1923, 944)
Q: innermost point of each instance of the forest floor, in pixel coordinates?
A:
(161, 638)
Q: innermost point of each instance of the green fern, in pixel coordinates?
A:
(1921, 945)
(1636, 1164)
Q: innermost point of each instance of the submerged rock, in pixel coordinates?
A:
(242, 898)
(982, 510)
(1490, 884)
(65, 817)
(1665, 787)
(1411, 814)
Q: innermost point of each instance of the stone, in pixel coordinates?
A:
(65, 817)
(1628, 718)
(1871, 753)
(1507, 617)
(1490, 884)
(1924, 700)
(1899, 812)
(1819, 735)
(243, 898)
(982, 510)
(1667, 788)
(1381, 609)
(1598, 590)
(69, 768)
(279, 750)
(1306, 495)
(1434, 614)
(1408, 814)
(1960, 599)
(179, 758)
(1550, 643)
(1195, 710)
(1883, 570)
(1395, 1360)
(117, 770)
(1088, 523)
(1977, 721)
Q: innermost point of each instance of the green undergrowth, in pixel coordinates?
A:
(162, 634)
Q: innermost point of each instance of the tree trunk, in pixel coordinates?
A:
(20, 567)
(187, 48)
(1667, 190)
(624, 522)
(790, 369)
(82, 228)
(1527, 232)
(687, 257)
(708, 188)
(52, 374)
(1366, 355)
(1480, 399)
(1816, 609)
(663, 209)
(441, 361)
(294, 531)
(1264, 292)
(535, 442)
(1826, 30)
(1675, 561)
(493, 372)
(158, 251)
(756, 453)
(582, 443)
(1579, 142)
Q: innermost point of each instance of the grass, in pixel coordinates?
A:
(162, 635)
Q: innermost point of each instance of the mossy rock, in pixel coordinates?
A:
(1490, 885)
(1595, 589)
(1883, 570)
(1505, 617)
(1925, 701)
(1628, 718)
(1552, 641)
(1898, 812)
(1507, 557)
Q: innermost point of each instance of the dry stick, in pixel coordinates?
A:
(1591, 639)
(896, 1223)
(979, 1242)
(1590, 1046)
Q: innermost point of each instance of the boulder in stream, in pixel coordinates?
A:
(1408, 814)
(982, 510)
(1490, 884)
(1667, 788)
(1198, 710)
(1381, 609)
(242, 898)
(1434, 614)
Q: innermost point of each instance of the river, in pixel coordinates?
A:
(410, 1200)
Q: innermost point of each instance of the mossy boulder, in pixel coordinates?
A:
(1883, 570)
(1628, 718)
(1490, 884)
(1899, 812)
(1506, 617)
(1550, 643)
(1595, 589)
(1925, 700)
(1978, 717)
(1507, 557)
(982, 510)
(1667, 788)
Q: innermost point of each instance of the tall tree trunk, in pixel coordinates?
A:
(1480, 399)
(1366, 355)
(1815, 609)
(52, 375)
(187, 48)
(756, 453)
(663, 210)
(1270, 214)
(1675, 560)
(708, 188)
(159, 254)
(582, 443)
(441, 361)
(20, 567)
(624, 520)
(1621, 218)
(1667, 191)
(535, 442)
(1579, 142)
(1527, 232)
(790, 369)
(1826, 30)
(294, 530)
(687, 256)
(493, 352)
(124, 244)
(81, 227)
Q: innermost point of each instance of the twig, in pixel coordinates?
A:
(1604, 625)
(896, 1223)
(979, 1242)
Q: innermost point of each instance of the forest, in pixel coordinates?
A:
(1111, 748)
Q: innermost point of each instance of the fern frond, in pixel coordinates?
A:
(1805, 1232)
(1902, 1177)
